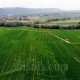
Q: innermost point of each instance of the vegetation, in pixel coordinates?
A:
(57, 19)
(11, 24)
(40, 47)
(36, 25)
(38, 54)
(47, 48)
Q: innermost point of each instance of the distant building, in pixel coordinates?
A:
(33, 17)
(3, 17)
(17, 17)
(23, 18)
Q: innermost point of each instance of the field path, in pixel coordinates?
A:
(59, 37)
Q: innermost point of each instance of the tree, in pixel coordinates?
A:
(36, 22)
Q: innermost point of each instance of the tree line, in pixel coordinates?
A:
(37, 25)
(10, 24)
(57, 19)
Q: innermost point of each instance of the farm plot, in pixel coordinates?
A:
(35, 54)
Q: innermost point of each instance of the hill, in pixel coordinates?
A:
(19, 10)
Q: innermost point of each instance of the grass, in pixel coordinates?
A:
(60, 16)
(36, 54)
(62, 23)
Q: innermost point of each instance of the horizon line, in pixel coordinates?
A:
(43, 8)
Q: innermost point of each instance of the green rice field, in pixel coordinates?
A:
(39, 54)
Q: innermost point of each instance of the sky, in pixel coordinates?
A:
(61, 4)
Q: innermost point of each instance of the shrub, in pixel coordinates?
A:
(36, 22)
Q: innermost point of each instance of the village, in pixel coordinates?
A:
(17, 17)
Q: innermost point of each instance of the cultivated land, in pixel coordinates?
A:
(39, 54)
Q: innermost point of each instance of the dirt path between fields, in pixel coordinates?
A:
(59, 37)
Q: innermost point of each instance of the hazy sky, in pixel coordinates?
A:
(62, 4)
